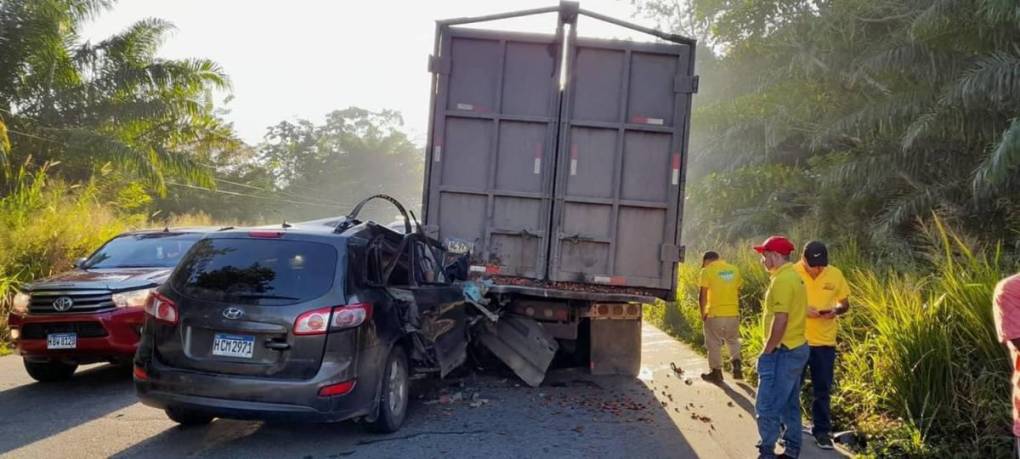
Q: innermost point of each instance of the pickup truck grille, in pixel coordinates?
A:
(83, 329)
(45, 302)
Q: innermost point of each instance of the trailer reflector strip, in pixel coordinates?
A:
(437, 153)
(486, 269)
(611, 280)
(676, 169)
(538, 159)
(573, 160)
(465, 107)
(647, 120)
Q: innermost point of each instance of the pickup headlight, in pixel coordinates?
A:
(20, 306)
(132, 298)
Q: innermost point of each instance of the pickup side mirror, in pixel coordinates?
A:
(79, 262)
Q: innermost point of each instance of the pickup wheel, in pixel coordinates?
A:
(187, 418)
(395, 389)
(50, 371)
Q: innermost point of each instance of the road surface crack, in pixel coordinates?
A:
(419, 434)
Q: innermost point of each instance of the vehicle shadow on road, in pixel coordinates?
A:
(571, 416)
(91, 394)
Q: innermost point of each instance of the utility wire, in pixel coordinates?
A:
(234, 193)
(292, 195)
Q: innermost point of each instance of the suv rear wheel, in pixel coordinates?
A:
(395, 388)
(187, 418)
(52, 371)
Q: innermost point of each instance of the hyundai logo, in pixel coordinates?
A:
(233, 313)
(63, 304)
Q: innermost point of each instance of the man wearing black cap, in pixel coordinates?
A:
(827, 292)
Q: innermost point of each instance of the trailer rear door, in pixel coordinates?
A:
(491, 161)
(619, 181)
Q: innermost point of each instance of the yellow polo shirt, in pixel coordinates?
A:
(723, 282)
(786, 293)
(823, 292)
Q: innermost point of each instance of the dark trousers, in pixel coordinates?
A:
(821, 365)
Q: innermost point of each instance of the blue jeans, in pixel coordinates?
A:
(778, 401)
(821, 366)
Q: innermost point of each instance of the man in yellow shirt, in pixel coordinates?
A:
(828, 297)
(784, 352)
(719, 298)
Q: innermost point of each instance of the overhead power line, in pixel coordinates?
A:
(245, 195)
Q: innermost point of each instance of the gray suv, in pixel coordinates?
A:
(322, 321)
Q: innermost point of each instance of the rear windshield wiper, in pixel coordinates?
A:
(257, 296)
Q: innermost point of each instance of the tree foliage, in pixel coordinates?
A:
(919, 98)
(304, 171)
(86, 104)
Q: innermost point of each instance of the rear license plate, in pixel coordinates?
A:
(240, 346)
(62, 341)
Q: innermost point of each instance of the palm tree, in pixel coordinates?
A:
(85, 104)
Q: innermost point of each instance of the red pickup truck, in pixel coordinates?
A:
(94, 312)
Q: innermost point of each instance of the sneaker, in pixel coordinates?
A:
(824, 442)
(714, 376)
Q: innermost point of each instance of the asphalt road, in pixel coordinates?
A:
(571, 415)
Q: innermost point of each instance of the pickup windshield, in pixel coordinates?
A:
(149, 250)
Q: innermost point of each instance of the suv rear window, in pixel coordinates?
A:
(256, 271)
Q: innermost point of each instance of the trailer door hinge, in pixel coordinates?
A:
(671, 253)
(686, 84)
(440, 65)
(569, 11)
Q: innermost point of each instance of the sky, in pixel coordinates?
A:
(301, 59)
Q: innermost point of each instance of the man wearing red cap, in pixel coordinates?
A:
(785, 352)
(1006, 309)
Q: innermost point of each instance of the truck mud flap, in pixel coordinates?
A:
(523, 345)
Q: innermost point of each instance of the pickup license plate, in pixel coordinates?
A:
(240, 346)
(62, 341)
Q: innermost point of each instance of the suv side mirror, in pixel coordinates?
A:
(79, 262)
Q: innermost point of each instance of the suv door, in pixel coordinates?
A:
(436, 307)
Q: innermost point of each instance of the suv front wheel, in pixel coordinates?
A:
(52, 371)
(395, 389)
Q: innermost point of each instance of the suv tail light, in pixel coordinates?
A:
(350, 316)
(161, 308)
(319, 321)
(314, 322)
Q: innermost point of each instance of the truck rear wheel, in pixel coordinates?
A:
(187, 418)
(395, 390)
(52, 371)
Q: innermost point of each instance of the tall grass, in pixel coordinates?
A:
(46, 225)
(920, 372)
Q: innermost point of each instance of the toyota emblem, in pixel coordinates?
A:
(63, 304)
(233, 313)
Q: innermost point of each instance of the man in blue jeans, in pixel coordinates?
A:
(828, 293)
(785, 351)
